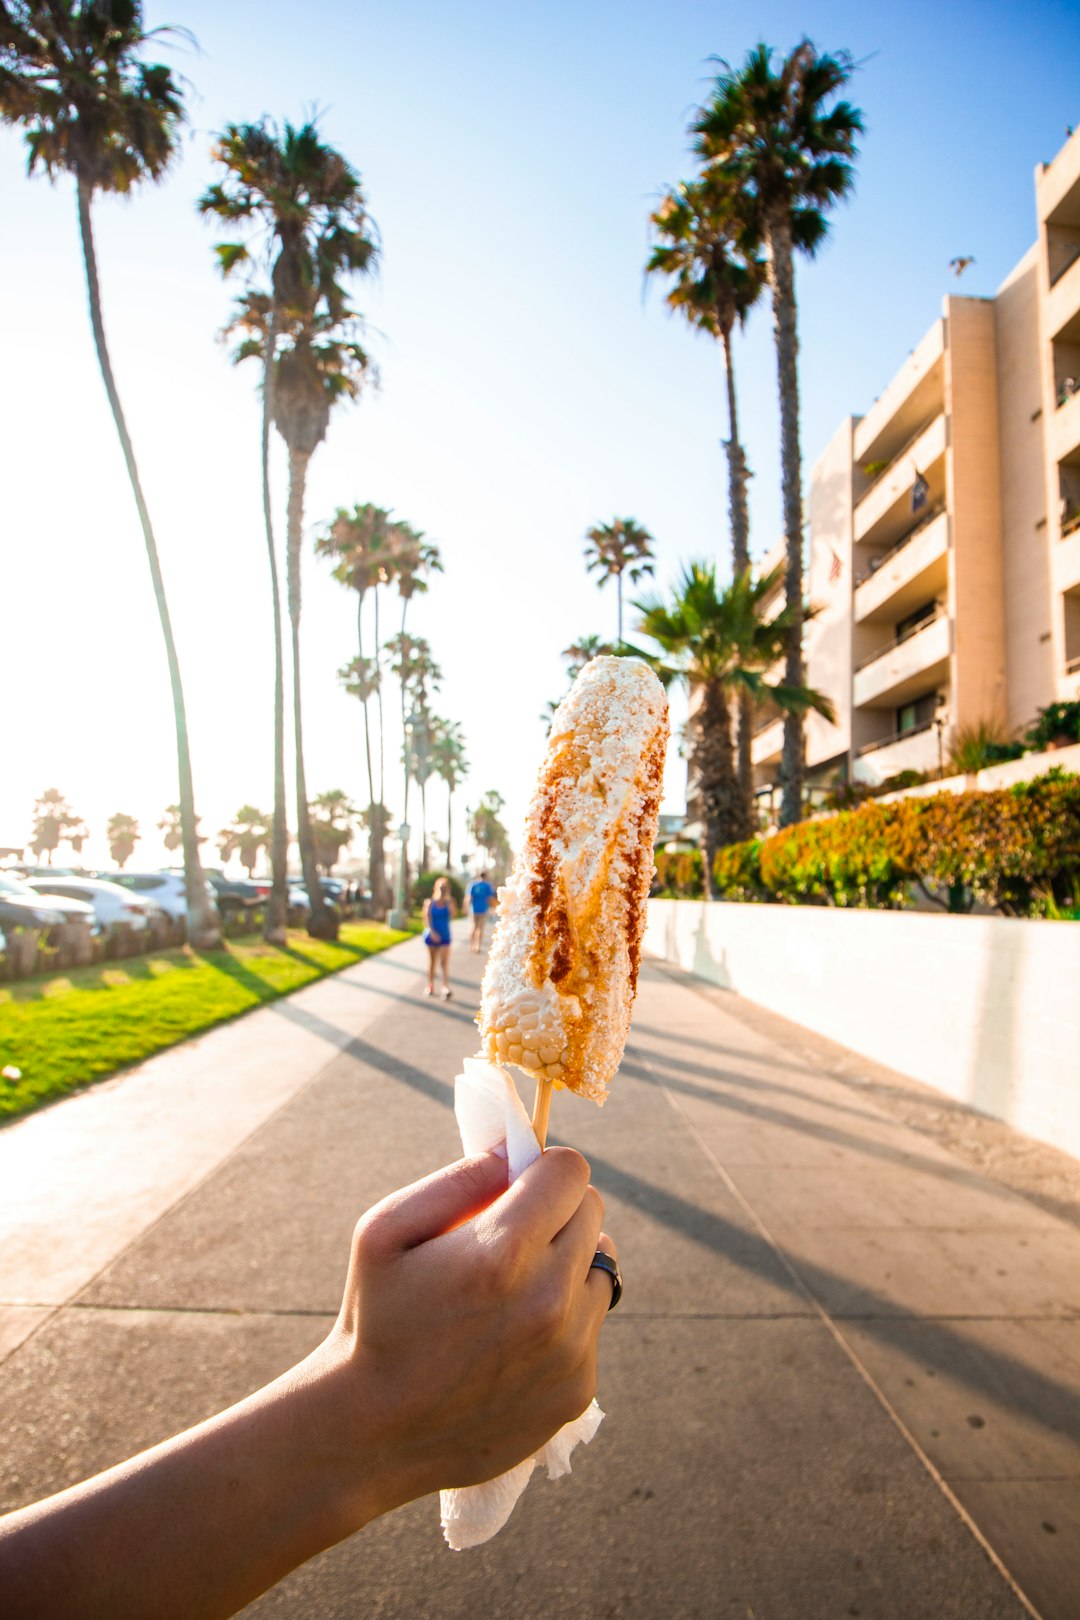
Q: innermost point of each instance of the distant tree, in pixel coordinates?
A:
(123, 834)
(55, 822)
(334, 820)
(171, 828)
(71, 75)
(250, 833)
(583, 651)
(449, 762)
(620, 547)
(489, 833)
(360, 544)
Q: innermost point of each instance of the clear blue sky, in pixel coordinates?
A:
(531, 386)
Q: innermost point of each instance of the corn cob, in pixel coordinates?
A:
(562, 972)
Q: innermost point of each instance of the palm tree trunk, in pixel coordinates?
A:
(379, 892)
(375, 818)
(277, 910)
(719, 783)
(782, 275)
(618, 599)
(321, 925)
(449, 824)
(740, 558)
(203, 929)
(404, 884)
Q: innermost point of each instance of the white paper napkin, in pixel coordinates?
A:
(491, 1116)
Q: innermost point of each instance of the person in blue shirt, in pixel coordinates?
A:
(437, 914)
(481, 894)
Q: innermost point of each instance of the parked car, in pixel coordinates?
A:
(164, 889)
(71, 910)
(23, 907)
(235, 895)
(112, 905)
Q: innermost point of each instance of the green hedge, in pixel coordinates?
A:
(1015, 849)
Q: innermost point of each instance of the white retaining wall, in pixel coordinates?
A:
(987, 1009)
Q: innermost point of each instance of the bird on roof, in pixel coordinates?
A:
(958, 266)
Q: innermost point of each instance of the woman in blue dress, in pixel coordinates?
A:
(437, 914)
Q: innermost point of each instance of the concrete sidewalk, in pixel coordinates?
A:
(843, 1380)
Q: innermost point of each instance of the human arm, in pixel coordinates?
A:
(498, 1279)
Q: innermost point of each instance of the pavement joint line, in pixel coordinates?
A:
(848, 1350)
(197, 1310)
(252, 1136)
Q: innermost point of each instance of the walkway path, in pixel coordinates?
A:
(844, 1379)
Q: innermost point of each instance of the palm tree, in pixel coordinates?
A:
(582, 651)
(334, 819)
(307, 207)
(417, 675)
(70, 74)
(304, 223)
(251, 831)
(718, 276)
(616, 548)
(171, 827)
(719, 643)
(55, 822)
(488, 831)
(448, 759)
(359, 544)
(122, 833)
(765, 136)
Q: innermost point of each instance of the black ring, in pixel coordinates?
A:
(604, 1262)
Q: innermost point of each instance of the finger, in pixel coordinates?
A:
(433, 1206)
(577, 1242)
(545, 1196)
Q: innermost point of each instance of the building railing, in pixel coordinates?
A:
(898, 456)
(894, 737)
(1072, 665)
(1071, 523)
(879, 563)
(1063, 268)
(764, 725)
(939, 612)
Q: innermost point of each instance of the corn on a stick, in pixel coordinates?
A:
(562, 972)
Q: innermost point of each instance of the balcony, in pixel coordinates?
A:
(916, 568)
(1063, 306)
(905, 669)
(914, 750)
(914, 394)
(1066, 559)
(1065, 430)
(766, 745)
(884, 512)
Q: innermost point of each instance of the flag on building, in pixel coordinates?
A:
(920, 493)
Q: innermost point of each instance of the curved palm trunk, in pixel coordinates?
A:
(380, 894)
(740, 557)
(203, 929)
(449, 824)
(424, 859)
(277, 910)
(321, 924)
(618, 599)
(404, 881)
(782, 275)
(721, 809)
(375, 828)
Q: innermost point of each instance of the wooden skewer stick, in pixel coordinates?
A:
(542, 1110)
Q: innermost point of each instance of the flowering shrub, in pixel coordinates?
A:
(680, 873)
(1016, 850)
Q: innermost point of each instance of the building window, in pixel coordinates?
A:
(914, 716)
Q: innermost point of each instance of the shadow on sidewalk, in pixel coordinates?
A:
(943, 1348)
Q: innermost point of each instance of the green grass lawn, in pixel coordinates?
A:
(63, 1031)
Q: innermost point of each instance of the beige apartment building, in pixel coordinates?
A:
(944, 525)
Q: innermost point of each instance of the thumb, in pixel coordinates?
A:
(430, 1207)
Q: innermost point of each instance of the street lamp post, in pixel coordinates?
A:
(399, 917)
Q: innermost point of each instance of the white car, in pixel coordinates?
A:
(111, 903)
(164, 889)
